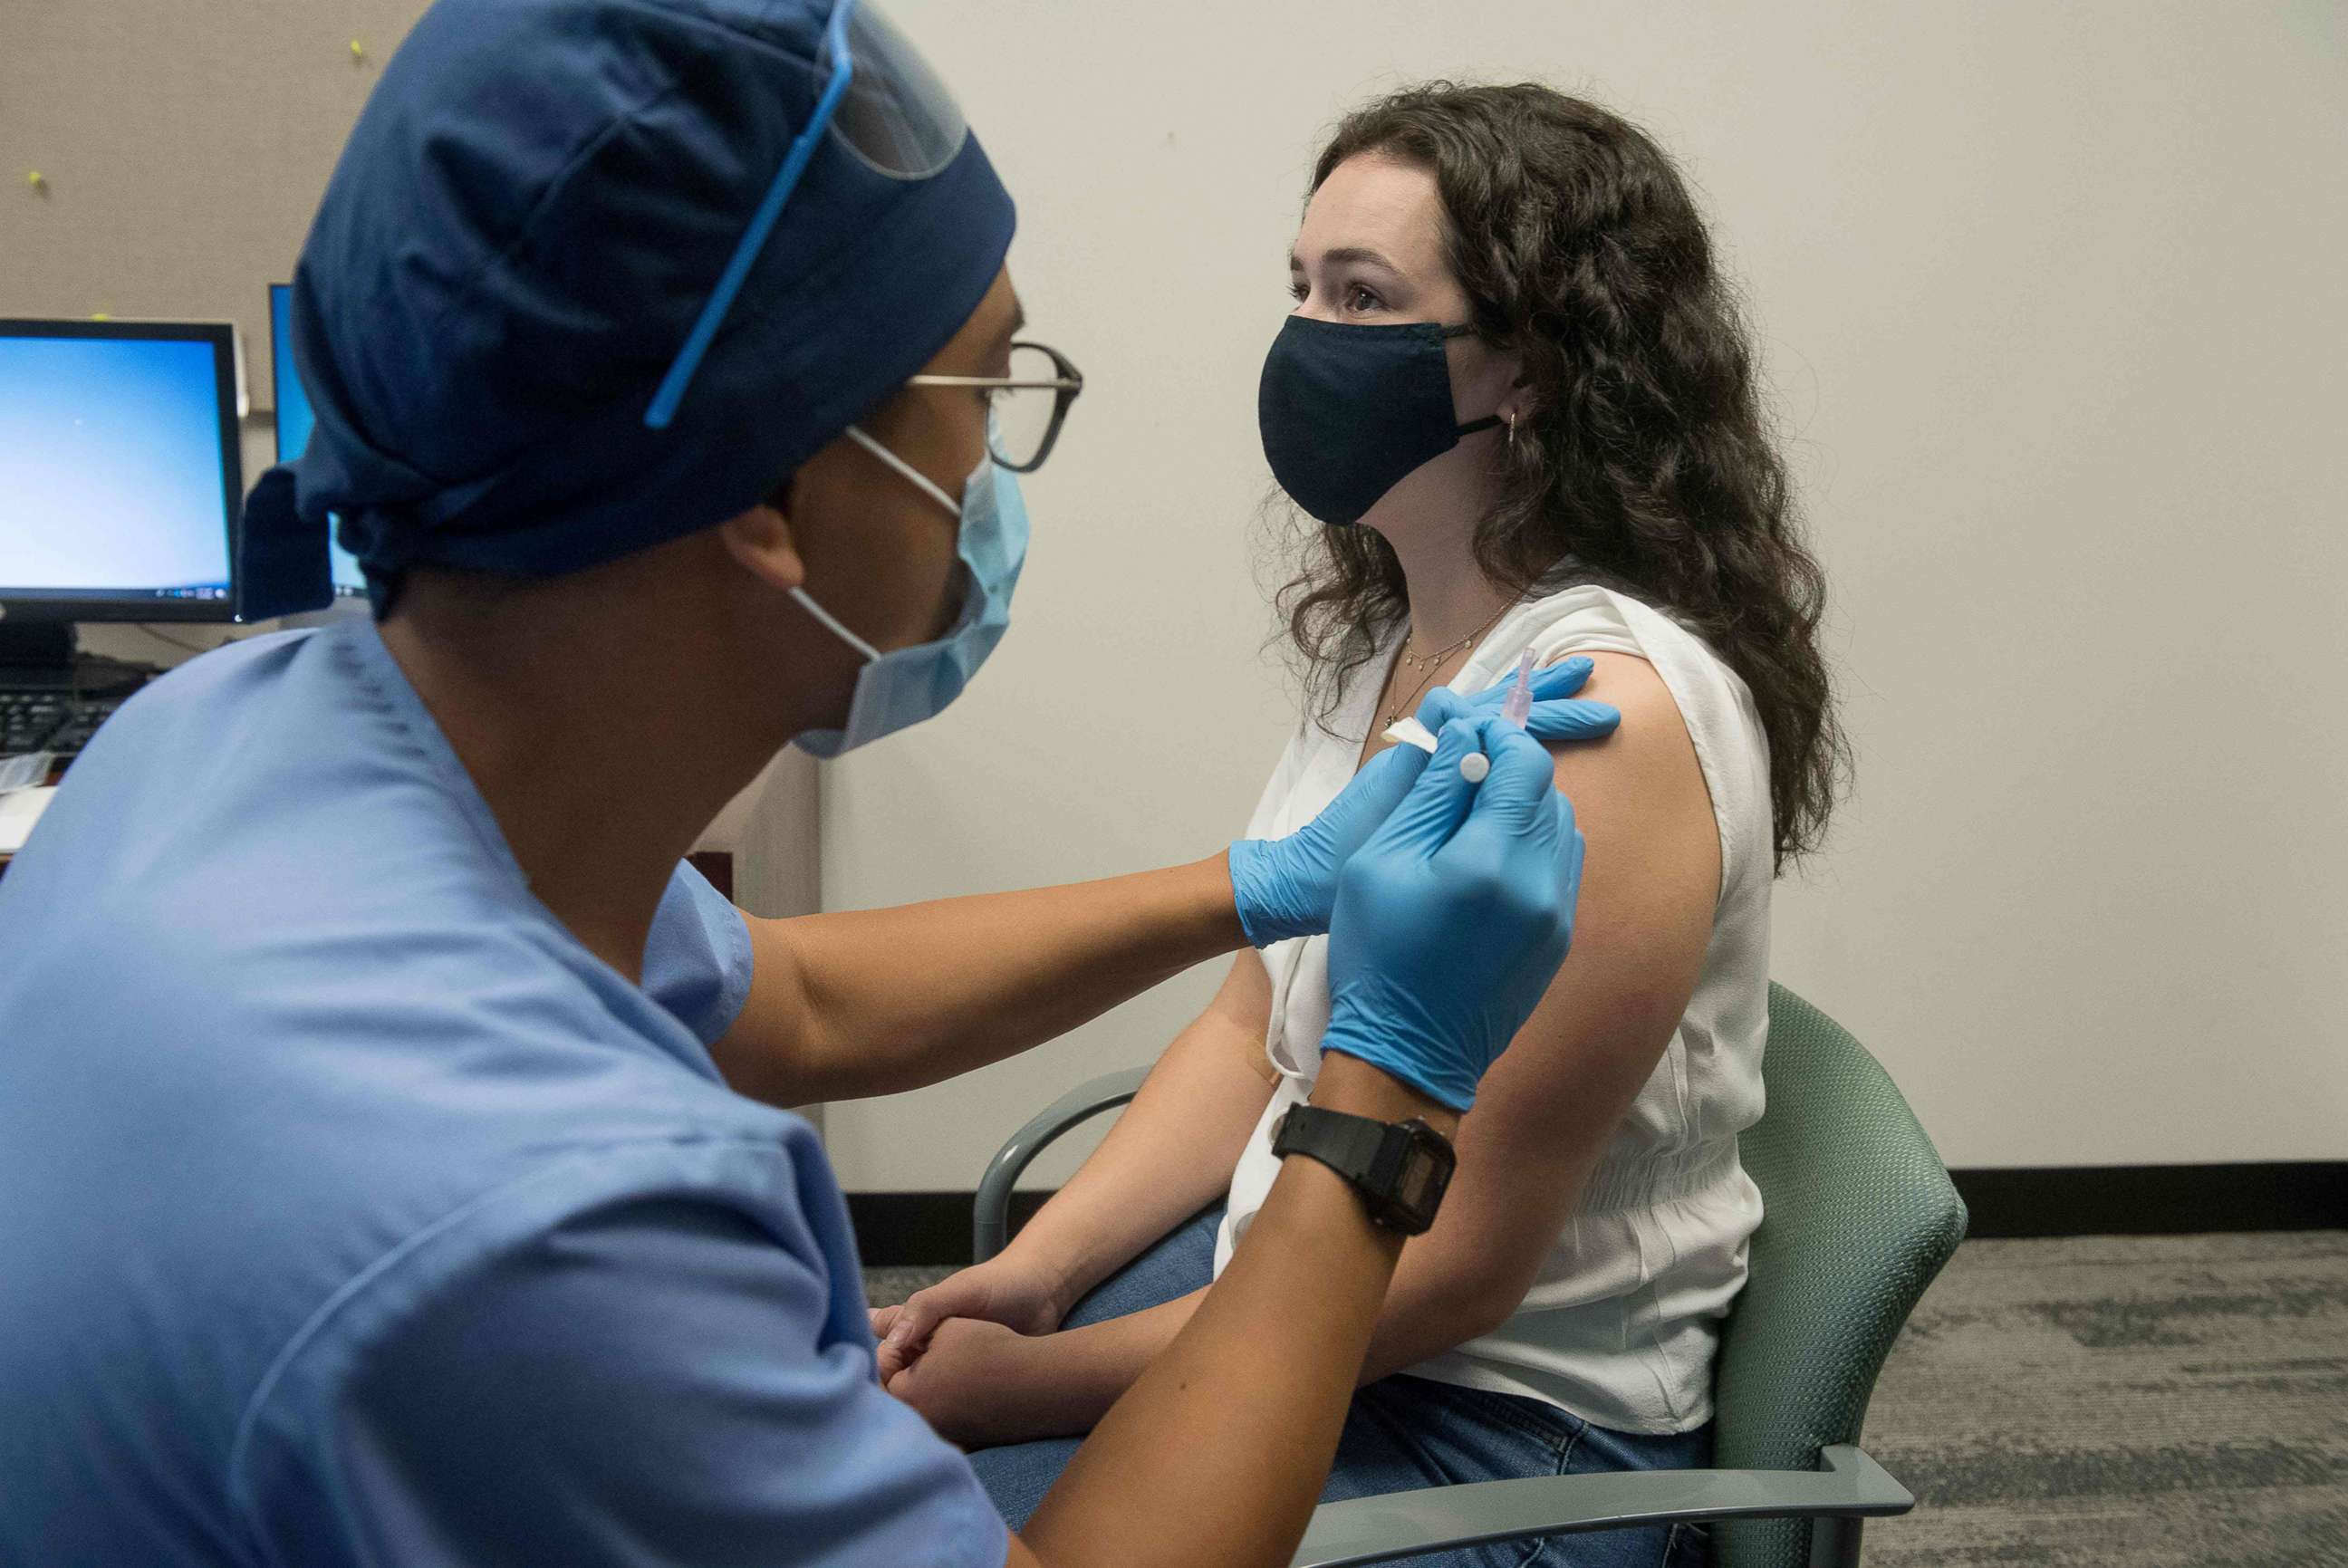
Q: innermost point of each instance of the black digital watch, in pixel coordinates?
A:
(1400, 1168)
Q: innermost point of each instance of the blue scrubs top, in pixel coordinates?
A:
(351, 1212)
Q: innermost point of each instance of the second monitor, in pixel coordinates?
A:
(294, 420)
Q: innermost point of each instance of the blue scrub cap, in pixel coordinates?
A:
(525, 225)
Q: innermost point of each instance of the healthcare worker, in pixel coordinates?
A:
(390, 1170)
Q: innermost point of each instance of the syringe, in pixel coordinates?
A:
(1517, 706)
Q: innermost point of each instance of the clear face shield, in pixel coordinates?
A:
(881, 102)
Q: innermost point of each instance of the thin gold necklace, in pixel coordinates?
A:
(1432, 662)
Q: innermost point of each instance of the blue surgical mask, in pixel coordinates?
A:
(902, 687)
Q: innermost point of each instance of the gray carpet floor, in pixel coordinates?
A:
(2167, 1401)
(2161, 1401)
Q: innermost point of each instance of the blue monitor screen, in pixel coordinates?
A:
(113, 480)
(294, 420)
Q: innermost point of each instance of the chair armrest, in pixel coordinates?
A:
(990, 1223)
(1847, 1484)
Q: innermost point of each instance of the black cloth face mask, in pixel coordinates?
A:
(1347, 410)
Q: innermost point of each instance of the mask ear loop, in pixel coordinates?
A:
(920, 481)
(835, 625)
(824, 617)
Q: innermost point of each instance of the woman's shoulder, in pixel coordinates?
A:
(1579, 617)
(1721, 723)
(1586, 617)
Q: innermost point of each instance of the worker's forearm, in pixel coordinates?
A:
(897, 998)
(1218, 1452)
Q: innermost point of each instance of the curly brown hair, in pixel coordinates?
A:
(1644, 462)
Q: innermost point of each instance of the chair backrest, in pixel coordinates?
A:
(1858, 1215)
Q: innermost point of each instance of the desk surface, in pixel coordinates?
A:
(19, 811)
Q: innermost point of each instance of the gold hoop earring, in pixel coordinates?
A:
(1512, 429)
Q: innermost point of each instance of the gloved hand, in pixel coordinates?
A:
(1552, 718)
(1285, 887)
(1451, 920)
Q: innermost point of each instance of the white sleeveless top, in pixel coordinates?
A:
(1622, 1320)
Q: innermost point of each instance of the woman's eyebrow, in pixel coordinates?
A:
(1361, 253)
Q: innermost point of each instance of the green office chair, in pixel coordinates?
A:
(1859, 1216)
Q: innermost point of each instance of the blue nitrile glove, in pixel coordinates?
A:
(1453, 919)
(1285, 887)
(1552, 718)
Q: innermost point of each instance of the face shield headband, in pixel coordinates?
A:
(881, 102)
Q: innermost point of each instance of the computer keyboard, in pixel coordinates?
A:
(52, 720)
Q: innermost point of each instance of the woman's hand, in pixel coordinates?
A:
(997, 1292)
(979, 1384)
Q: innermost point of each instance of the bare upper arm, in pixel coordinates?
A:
(1651, 879)
(757, 1052)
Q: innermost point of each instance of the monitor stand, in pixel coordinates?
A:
(47, 654)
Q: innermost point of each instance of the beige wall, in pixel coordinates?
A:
(185, 148)
(2049, 296)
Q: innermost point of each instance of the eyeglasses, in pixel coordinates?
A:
(1029, 405)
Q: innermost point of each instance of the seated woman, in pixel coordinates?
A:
(1601, 484)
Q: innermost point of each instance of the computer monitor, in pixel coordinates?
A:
(121, 480)
(294, 420)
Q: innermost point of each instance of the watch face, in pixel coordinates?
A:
(1417, 1188)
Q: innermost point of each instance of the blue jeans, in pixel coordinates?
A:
(1401, 1434)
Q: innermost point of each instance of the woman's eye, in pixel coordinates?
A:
(1360, 298)
(1297, 291)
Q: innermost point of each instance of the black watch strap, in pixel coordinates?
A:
(1401, 1169)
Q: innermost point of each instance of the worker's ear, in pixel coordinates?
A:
(760, 543)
